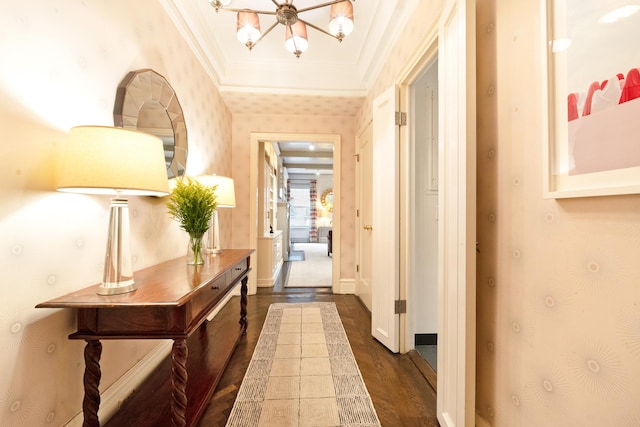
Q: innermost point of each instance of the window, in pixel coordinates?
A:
(300, 207)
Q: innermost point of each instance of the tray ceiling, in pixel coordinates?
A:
(328, 69)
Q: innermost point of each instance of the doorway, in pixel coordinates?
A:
(255, 140)
(310, 258)
(423, 213)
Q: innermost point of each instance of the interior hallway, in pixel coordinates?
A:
(400, 393)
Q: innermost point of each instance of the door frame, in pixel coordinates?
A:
(425, 56)
(255, 139)
(457, 209)
(415, 262)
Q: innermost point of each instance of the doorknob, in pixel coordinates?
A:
(368, 227)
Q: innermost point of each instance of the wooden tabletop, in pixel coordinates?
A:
(170, 283)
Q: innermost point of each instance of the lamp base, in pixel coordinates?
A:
(118, 269)
(212, 245)
(116, 288)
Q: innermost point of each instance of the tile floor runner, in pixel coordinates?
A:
(303, 373)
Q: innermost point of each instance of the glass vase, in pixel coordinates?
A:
(195, 253)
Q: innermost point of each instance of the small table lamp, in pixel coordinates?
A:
(120, 162)
(225, 198)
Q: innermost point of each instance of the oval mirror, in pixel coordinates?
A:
(327, 199)
(145, 101)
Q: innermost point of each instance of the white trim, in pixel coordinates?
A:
(111, 399)
(271, 281)
(457, 216)
(425, 55)
(255, 139)
(346, 286)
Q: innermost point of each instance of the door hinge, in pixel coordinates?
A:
(401, 118)
(357, 268)
(400, 306)
(357, 213)
(357, 156)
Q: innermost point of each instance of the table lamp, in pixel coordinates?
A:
(225, 198)
(119, 162)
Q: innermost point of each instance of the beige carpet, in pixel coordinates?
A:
(314, 271)
(303, 373)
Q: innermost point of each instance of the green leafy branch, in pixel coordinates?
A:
(192, 204)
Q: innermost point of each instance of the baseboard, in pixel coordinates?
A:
(113, 396)
(270, 282)
(425, 369)
(346, 286)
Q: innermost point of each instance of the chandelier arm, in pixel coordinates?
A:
(276, 3)
(296, 51)
(318, 6)
(261, 12)
(264, 34)
(315, 27)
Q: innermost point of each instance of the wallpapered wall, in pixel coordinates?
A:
(558, 339)
(61, 64)
(558, 309)
(558, 305)
(245, 124)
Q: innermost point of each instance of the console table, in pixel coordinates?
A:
(172, 301)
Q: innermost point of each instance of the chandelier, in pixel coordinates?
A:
(296, 42)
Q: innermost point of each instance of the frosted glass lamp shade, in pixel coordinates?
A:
(341, 19)
(296, 40)
(248, 28)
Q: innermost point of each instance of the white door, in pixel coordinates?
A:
(364, 221)
(384, 221)
(457, 216)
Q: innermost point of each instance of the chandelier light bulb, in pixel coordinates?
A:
(297, 42)
(248, 28)
(341, 19)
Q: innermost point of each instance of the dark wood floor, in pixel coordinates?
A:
(400, 393)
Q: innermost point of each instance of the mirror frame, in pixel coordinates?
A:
(146, 85)
(323, 199)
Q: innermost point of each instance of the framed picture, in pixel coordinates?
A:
(593, 98)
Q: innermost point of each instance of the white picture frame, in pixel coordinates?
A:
(594, 154)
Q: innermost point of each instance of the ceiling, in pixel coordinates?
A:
(329, 78)
(306, 158)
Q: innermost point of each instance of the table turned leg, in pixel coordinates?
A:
(243, 304)
(91, 402)
(179, 383)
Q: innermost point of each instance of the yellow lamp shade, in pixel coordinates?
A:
(110, 160)
(225, 193)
